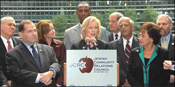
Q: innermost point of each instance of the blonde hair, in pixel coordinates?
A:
(86, 24)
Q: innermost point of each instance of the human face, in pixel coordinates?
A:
(51, 33)
(144, 39)
(83, 11)
(163, 22)
(125, 28)
(8, 28)
(92, 30)
(113, 23)
(29, 35)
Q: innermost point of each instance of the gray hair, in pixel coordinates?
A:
(130, 21)
(2, 19)
(164, 15)
(119, 15)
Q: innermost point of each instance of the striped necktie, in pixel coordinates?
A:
(127, 51)
(9, 45)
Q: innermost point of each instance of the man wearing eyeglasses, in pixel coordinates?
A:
(31, 64)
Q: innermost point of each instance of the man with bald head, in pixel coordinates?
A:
(7, 42)
(72, 34)
(124, 46)
(113, 19)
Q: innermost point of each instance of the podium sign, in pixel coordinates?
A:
(91, 68)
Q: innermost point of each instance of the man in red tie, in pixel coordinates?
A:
(124, 46)
(7, 42)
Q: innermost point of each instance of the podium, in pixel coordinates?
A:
(65, 73)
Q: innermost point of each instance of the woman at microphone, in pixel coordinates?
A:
(90, 33)
(146, 62)
(46, 35)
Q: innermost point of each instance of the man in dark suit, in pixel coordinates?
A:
(72, 34)
(167, 39)
(115, 33)
(7, 31)
(31, 64)
(126, 27)
(3, 80)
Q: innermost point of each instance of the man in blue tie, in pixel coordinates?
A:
(31, 64)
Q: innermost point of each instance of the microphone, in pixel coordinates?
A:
(87, 40)
(93, 40)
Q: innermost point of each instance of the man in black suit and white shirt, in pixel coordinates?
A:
(115, 33)
(167, 39)
(31, 64)
(126, 27)
(7, 31)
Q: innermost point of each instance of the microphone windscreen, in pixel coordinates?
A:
(87, 39)
(93, 39)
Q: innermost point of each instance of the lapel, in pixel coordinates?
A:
(2, 47)
(121, 51)
(26, 52)
(110, 36)
(77, 32)
(14, 42)
(171, 43)
(42, 56)
(135, 42)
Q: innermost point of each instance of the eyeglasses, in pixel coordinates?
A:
(30, 31)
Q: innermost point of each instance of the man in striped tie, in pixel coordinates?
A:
(167, 39)
(124, 46)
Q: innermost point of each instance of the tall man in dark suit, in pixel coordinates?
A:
(31, 64)
(126, 27)
(72, 34)
(113, 19)
(167, 39)
(7, 31)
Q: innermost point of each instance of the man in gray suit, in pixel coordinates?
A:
(72, 34)
(126, 27)
(31, 64)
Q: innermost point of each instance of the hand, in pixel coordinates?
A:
(167, 64)
(4, 85)
(126, 84)
(58, 85)
(10, 83)
(46, 77)
(172, 79)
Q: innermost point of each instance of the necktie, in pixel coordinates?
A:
(116, 36)
(164, 43)
(127, 51)
(9, 45)
(35, 55)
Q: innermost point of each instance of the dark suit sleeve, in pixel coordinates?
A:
(165, 76)
(18, 74)
(73, 46)
(130, 71)
(3, 79)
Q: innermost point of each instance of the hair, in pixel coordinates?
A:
(83, 3)
(164, 15)
(43, 29)
(22, 23)
(130, 21)
(153, 31)
(119, 15)
(7, 17)
(86, 24)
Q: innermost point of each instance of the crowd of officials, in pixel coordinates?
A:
(37, 59)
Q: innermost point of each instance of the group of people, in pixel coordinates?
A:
(37, 59)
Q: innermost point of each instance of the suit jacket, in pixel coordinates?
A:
(3, 79)
(2, 55)
(118, 44)
(23, 69)
(81, 44)
(60, 52)
(157, 75)
(73, 35)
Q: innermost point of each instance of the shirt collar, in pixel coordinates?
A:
(5, 40)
